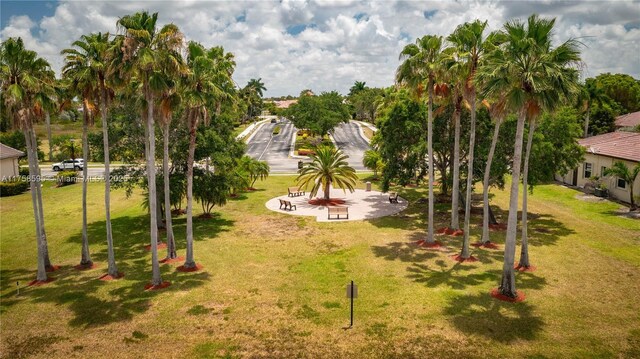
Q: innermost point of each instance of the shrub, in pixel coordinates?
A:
(66, 178)
(13, 187)
(23, 171)
(276, 130)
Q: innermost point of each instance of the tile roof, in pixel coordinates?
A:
(629, 120)
(622, 145)
(9, 152)
(284, 103)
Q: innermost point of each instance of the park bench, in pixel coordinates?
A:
(393, 197)
(337, 212)
(287, 205)
(295, 191)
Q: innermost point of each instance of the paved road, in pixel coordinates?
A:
(46, 171)
(274, 149)
(348, 139)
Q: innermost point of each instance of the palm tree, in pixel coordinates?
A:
(620, 170)
(496, 111)
(357, 87)
(169, 101)
(456, 70)
(88, 64)
(26, 81)
(147, 52)
(532, 76)
(254, 169)
(589, 95)
(257, 86)
(469, 43)
(373, 161)
(422, 62)
(328, 167)
(81, 78)
(203, 86)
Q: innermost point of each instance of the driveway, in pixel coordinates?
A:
(264, 146)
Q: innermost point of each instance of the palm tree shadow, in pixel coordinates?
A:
(504, 322)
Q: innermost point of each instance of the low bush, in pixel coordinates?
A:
(66, 178)
(305, 152)
(276, 130)
(13, 187)
(23, 171)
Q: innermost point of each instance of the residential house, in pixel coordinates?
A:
(629, 121)
(9, 161)
(601, 152)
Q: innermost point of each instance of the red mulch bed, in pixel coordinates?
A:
(525, 269)
(37, 283)
(458, 258)
(205, 216)
(172, 260)
(178, 212)
(450, 231)
(489, 245)
(161, 245)
(325, 202)
(85, 267)
(233, 195)
(194, 269)
(163, 285)
(110, 277)
(250, 189)
(52, 268)
(434, 245)
(496, 294)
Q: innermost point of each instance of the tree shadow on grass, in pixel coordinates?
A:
(504, 322)
(131, 235)
(403, 252)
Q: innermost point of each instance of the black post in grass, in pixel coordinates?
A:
(352, 292)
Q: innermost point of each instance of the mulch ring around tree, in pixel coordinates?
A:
(172, 260)
(107, 277)
(520, 268)
(424, 244)
(182, 268)
(52, 268)
(519, 296)
(37, 283)
(450, 232)
(162, 285)
(161, 245)
(85, 266)
(326, 202)
(458, 258)
(487, 245)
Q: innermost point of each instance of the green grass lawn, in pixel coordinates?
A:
(273, 285)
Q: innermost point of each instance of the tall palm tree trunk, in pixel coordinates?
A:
(586, 121)
(327, 191)
(430, 238)
(455, 200)
(41, 274)
(524, 251)
(43, 233)
(171, 244)
(485, 183)
(85, 260)
(508, 281)
(156, 279)
(112, 268)
(47, 118)
(467, 205)
(189, 262)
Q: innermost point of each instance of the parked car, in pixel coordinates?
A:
(77, 164)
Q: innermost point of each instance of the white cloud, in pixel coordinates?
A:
(329, 44)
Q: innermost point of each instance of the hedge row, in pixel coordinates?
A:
(12, 188)
(66, 178)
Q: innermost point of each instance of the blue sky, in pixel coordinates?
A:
(329, 44)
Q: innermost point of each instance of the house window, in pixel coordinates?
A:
(587, 170)
(622, 184)
(602, 169)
